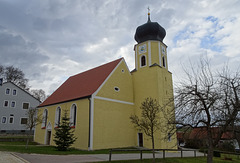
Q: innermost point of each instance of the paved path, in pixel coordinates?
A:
(6, 157)
(39, 158)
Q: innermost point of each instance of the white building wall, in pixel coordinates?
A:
(17, 112)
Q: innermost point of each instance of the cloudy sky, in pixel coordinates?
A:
(51, 40)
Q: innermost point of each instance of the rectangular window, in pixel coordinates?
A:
(5, 103)
(4, 119)
(24, 121)
(11, 120)
(14, 92)
(25, 105)
(7, 91)
(13, 104)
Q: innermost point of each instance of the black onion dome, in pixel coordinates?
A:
(149, 31)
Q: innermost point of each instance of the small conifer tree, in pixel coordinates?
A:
(64, 136)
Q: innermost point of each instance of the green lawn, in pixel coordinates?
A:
(41, 149)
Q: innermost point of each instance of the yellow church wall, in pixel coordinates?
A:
(122, 79)
(81, 130)
(145, 84)
(39, 134)
(154, 52)
(155, 82)
(112, 126)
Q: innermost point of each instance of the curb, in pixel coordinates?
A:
(20, 158)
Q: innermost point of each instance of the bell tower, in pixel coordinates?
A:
(151, 77)
(150, 48)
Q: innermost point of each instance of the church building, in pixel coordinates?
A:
(101, 100)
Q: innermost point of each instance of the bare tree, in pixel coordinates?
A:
(230, 89)
(38, 94)
(14, 75)
(33, 120)
(149, 121)
(207, 100)
(1, 71)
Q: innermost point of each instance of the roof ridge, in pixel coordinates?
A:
(96, 67)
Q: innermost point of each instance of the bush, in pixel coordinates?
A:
(227, 146)
(216, 154)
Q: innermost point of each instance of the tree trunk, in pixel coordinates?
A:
(210, 154)
(210, 147)
(28, 137)
(153, 149)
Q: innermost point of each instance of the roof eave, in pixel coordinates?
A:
(40, 106)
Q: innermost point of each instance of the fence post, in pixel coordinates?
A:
(181, 153)
(110, 155)
(164, 153)
(195, 155)
(141, 155)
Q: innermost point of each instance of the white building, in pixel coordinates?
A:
(14, 103)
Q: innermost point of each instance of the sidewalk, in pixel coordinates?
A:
(39, 158)
(6, 157)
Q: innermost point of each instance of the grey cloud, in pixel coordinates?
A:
(15, 50)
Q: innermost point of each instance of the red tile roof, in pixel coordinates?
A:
(81, 85)
(201, 133)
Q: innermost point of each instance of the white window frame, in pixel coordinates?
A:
(26, 103)
(44, 118)
(141, 60)
(73, 116)
(13, 93)
(117, 89)
(164, 62)
(57, 117)
(14, 104)
(8, 92)
(5, 119)
(21, 120)
(169, 137)
(7, 104)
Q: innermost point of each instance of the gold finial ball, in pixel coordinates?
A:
(148, 13)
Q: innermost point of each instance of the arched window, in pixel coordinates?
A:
(57, 117)
(44, 119)
(164, 62)
(73, 115)
(143, 60)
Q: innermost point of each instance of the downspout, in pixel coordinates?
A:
(89, 125)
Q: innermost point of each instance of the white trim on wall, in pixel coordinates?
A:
(149, 54)
(113, 100)
(99, 88)
(159, 54)
(91, 124)
(136, 60)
